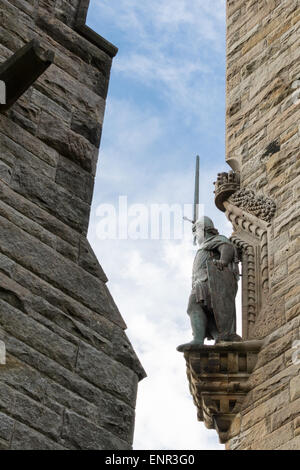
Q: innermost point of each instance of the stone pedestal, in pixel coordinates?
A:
(218, 379)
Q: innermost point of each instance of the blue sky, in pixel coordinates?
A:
(166, 104)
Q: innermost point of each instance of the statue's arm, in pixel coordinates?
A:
(226, 255)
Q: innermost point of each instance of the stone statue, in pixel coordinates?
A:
(211, 304)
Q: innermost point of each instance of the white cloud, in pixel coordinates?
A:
(176, 45)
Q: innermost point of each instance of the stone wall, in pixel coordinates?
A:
(263, 136)
(71, 375)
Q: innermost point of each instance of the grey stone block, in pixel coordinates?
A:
(13, 152)
(69, 144)
(23, 378)
(104, 372)
(6, 427)
(67, 250)
(37, 336)
(38, 215)
(28, 225)
(49, 196)
(28, 142)
(83, 434)
(109, 412)
(37, 416)
(5, 172)
(88, 260)
(25, 438)
(89, 128)
(74, 179)
(46, 366)
(45, 103)
(7, 399)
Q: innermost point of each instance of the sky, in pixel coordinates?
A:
(166, 104)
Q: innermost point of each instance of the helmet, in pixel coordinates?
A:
(203, 223)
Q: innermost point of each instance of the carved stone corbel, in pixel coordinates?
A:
(218, 380)
(22, 69)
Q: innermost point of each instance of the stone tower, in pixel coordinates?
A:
(71, 375)
(250, 391)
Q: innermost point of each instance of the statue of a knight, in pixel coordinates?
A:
(211, 304)
(215, 280)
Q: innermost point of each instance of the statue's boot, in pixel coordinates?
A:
(199, 323)
(228, 337)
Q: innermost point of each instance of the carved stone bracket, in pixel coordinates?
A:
(218, 380)
(226, 185)
(22, 69)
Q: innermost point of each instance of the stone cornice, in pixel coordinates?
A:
(95, 38)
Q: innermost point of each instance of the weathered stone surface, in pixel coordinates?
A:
(37, 416)
(25, 438)
(106, 373)
(83, 125)
(268, 407)
(262, 134)
(285, 415)
(293, 444)
(75, 180)
(110, 413)
(6, 427)
(27, 225)
(69, 144)
(42, 339)
(48, 195)
(43, 102)
(88, 260)
(295, 388)
(40, 216)
(28, 142)
(83, 434)
(275, 439)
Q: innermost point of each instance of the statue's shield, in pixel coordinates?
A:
(222, 286)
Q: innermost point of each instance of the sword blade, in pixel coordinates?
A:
(196, 195)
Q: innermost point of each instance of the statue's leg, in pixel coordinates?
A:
(198, 320)
(211, 326)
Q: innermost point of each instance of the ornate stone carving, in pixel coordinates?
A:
(226, 185)
(259, 205)
(251, 236)
(250, 215)
(218, 379)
